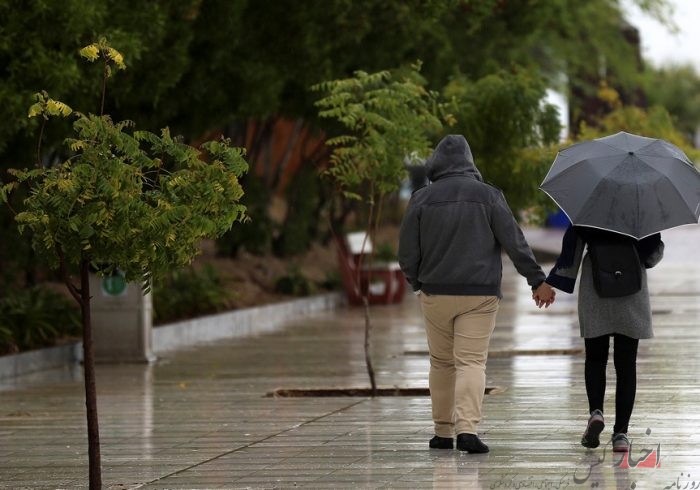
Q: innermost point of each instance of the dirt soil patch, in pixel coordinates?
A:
(361, 392)
(251, 278)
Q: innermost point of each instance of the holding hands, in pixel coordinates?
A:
(544, 295)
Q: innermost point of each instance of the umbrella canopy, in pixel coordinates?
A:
(625, 183)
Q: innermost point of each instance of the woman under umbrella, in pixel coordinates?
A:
(625, 318)
(619, 192)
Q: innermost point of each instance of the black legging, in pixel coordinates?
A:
(625, 358)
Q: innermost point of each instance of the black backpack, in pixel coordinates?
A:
(617, 270)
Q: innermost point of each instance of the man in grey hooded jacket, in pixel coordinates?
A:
(450, 251)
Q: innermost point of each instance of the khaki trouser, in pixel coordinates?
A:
(459, 329)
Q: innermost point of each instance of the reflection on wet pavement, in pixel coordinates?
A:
(198, 418)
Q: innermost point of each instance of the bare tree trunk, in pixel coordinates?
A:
(368, 320)
(365, 296)
(259, 131)
(89, 370)
(364, 244)
(368, 334)
(372, 233)
(291, 145)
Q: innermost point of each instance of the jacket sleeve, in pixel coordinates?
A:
(651, 250)
(409, 244)
(563, 274)
(510, 236)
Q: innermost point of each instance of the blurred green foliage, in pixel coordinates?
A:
(506, 123)
(655, 121)
(384, 117)
(677, 89)
(135, 200)
(385, 252)
(333, 281)
(255, 233)
(36, 317)
(236, 59)
(301, 223)
(188, 293)
(295, 283)
(203, 65)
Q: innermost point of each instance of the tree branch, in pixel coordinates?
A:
(75, 292)
(345, 256)
(104, 87)
(291, 146)
(38, 145)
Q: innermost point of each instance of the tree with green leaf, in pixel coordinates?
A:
(245, 65)
(506, 121)
(677, 89)
(125, 200)
(384, 118)
(655, 122)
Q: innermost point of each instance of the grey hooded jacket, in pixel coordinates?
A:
(454, 229)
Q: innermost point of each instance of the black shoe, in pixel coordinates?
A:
(596, 424)
(438, 442)
(471, 443)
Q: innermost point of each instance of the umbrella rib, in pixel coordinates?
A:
(588, 226)
(550, 169)
(558, 205)
(625, 145)
(637, 220)
(665, 229)
(578, 163)
(637, 152)
(585, 159)
(686, 163)
(611, 146)
(692, 213)
(626, 136)
(671, 182)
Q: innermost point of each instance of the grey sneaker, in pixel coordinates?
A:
(620, 442)
(596, 424)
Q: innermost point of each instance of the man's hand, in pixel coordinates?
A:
(544, 295)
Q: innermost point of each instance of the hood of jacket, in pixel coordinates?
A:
(452, 156)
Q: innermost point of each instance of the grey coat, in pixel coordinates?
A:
(455, 228)
(628, 315)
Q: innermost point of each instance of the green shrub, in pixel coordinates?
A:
(295, 283)
(7, 340)
(504, 118)
(188, 293)
(333, 281)
(301, 223)
(36, 317)
(385, 253)
(255, 234)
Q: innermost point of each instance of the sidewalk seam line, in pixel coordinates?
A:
(251, 444)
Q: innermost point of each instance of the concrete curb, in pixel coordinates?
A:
(237, 323)
(40, 359)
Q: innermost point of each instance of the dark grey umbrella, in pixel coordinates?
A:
(625, 183)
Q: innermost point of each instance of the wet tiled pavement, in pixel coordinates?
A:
(199, 418)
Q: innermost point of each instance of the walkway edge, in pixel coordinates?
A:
(15, 365)
(239, 323)
(236, 323)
